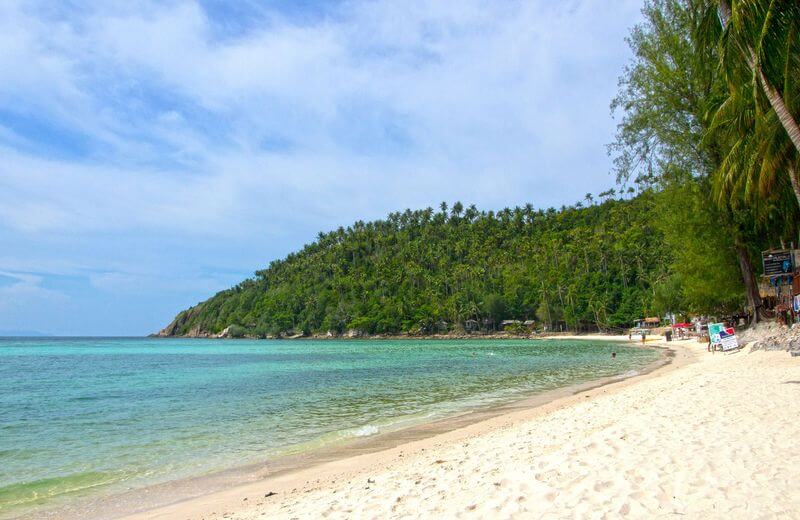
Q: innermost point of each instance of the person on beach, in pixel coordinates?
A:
(644, 333)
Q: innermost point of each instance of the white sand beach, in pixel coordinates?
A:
(709, 436)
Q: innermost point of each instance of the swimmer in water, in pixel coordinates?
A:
(613, 354)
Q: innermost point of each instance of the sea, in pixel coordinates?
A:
(83, 417)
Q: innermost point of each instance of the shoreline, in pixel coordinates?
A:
(708, 436)
(127, 504)
(329, 465)
(705, 436)
(403, 336)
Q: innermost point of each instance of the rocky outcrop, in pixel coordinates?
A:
(178, 325)
(772, 336)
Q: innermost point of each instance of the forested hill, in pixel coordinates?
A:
(427, 271)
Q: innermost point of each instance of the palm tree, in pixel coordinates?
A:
(764, 34)
(759, 49)
(760, 152)
(471, 213)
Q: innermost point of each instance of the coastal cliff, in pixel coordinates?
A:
(181, 325)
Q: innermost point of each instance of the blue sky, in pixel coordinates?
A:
(153, 153)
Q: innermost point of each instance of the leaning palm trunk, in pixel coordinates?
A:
(774, 97)
(777, 103)
(795, 183)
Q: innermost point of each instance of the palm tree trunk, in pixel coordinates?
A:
(795, 183)
(785, 117)
(750, 285)
(724, 12)
(774, 97)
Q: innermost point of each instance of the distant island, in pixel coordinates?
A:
(597, 266)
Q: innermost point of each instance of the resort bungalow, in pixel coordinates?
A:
(510, 324)
(529, 324)
(471, 325)
(647, 323)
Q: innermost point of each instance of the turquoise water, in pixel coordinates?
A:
(85, 416)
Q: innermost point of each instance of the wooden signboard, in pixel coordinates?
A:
(777, 263)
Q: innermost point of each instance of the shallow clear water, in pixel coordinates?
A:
(83, 416)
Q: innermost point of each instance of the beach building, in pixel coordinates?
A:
(648, 323)
(779, 287)
(529, 324)
(510, 324)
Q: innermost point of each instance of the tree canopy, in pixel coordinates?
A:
(425, 271)
(691, 130)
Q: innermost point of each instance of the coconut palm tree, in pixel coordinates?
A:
(760, 46)
(760, 152)
(758, 49)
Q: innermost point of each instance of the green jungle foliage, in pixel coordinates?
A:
(699, 125)
(580, 268)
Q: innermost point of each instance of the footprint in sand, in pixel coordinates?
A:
(602, 486)
(638, 495)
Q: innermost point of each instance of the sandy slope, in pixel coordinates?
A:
(718, 438)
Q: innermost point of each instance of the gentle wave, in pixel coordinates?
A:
(366, 431)
(42, 490)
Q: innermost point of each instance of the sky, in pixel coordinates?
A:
(153, 153)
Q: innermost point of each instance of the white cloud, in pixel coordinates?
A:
(24, 292)
(136, 119)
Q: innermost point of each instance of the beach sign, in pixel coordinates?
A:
(722, 336)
